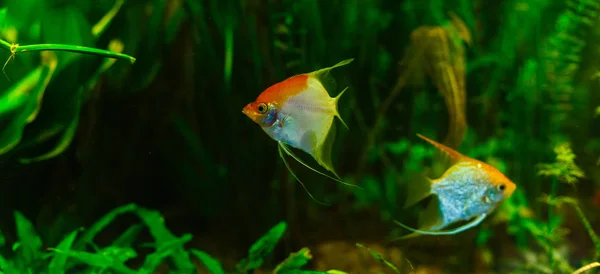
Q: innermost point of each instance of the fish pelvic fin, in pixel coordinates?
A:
(282, 148)
(335, 104)
(453, 154)
(417, 190)
(329, 167)
(454, 231)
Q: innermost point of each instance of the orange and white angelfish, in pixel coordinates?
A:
(468, 190)
(298, 112)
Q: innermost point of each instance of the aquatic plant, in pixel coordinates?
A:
(262, 248)
(72, 254)
(21, 103)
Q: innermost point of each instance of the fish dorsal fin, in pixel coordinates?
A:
(325, 78)
(454, 155)
(457, 230)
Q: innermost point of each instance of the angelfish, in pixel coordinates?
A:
(468, 190)
(298, 112)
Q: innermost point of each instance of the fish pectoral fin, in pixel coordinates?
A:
(457, 230)
(289, 152)
(282, 146)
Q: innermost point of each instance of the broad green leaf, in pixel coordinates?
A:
(31, 244)
(212, 265)
(262, 248)
(107, 219)
(69, 133)
(164, 238)
(58, 263)
(119, 254)
(172, 248)
(22, 101)
(128, 237)
(62, 144)
(98, 260)
(295, 261)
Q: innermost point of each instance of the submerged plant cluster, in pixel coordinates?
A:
(137, 102)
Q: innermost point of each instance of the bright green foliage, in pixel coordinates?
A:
(72, 251)
(564, 168)
(211, 264)
(379, 258)
(259, 251)
(47, 82)
(261, 248)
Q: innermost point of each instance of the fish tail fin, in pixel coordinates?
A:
(280, 147)
(417, 190)
(335, 104)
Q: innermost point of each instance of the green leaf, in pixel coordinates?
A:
(172, 248)
(22, 101)
(119, 254)
(107, 219)
(212, 265)
(128, 237)
(98, 260)
(166, 242)
(294, 261)
(58, 263)
(379, 257)
(31, 244)
(262, 248)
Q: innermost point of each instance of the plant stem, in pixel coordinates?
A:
(15, 48)
(553, 188)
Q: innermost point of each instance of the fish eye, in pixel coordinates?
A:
(262, 108)
(502, 187)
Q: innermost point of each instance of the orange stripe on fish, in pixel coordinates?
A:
(281, 91)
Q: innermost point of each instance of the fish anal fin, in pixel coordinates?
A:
(324, 150)
(432, 215)
(417, 189)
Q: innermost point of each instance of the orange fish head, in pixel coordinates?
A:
(503, 187)
(262, 113)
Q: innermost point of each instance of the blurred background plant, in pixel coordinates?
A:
(512, 83)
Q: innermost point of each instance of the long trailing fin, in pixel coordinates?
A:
(453, 154)
(290, 153)
(335, 103)
(298, 179)
(457, 230)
